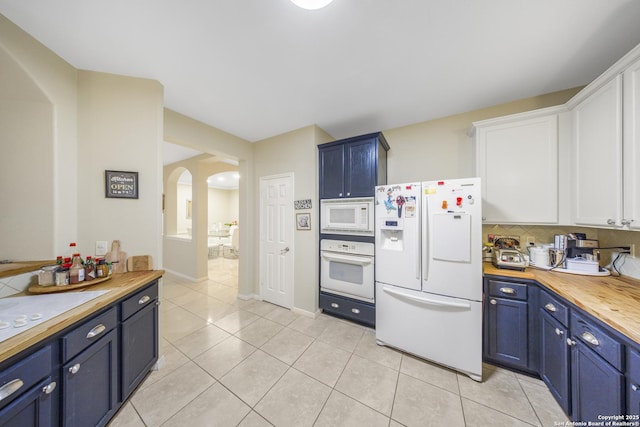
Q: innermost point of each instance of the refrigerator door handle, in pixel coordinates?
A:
(426, 301)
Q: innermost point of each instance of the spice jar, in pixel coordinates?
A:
(102, 269)
(62, 275)
(47, 275)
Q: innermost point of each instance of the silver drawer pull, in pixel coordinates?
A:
(145, 299)
(634, 387)
(335, 305)
(508, 291)
(570, 342)
(355, 311)
(550, 307)
(96, 331)
(9, 388)
(48, 389)
(74, 369)
(559, 332)
(493, 302)
(588, 337)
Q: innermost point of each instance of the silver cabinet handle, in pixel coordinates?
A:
(550, 307)
(48, 389)
(9, 388)
(355, 311)
(624, 221)
(340, 194)
(588, 337)
(74, 369)
(559, 332)
(284, 251)
(493, 302)
(348, 194)
(570, 342)
(508, 291)
(634, 387)
(97, 330)
(145, 299)
(335, 305)
(611, 222)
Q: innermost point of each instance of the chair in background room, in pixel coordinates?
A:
(232, 249)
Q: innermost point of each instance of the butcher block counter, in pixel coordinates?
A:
(119, 286)
(613, 300)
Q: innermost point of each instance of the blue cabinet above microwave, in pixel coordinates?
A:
(352, 167)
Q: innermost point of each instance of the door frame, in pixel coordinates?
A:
(291, 225)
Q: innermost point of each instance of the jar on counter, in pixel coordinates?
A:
(47, 275)
(62, 275)
(76, 272)
(102, 269)
(89, 268)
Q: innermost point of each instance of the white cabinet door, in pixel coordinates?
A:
(631, 166)
(517, 160)
(597, 157)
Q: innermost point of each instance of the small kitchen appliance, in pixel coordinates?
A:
(507, 255)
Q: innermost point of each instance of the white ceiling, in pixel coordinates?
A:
(258, 68)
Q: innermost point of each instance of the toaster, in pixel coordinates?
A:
(510, 259)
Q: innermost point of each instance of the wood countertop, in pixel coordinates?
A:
(119, 286)
(611, 299)
(18, 267)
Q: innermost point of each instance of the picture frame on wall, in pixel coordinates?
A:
(303, 221)
(121, 184)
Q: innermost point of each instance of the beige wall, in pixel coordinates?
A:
(442, 148)
(295, 152)
(120, 128)
(38, 96)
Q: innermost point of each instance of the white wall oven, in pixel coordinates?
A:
(347, 216)
(347, 269)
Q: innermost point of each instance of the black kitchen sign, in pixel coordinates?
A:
(119, 184)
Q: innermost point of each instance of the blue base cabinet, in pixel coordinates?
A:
(554, 359)
(508, 326)
(633, 383)
(590, 369)
(90, 384)
(82, 375)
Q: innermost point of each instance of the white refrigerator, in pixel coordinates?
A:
(428, 271)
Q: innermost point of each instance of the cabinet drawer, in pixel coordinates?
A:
(349, 309)
(21, 376)
(597, 340)
(139, 300)
(88, 333)
(555, 308)
(511, 290)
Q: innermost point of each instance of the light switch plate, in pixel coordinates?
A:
(101, 247)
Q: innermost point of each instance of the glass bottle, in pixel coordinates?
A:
(89, 268)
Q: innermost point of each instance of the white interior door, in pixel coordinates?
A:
(276, 239)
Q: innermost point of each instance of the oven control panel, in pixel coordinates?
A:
(348, 247)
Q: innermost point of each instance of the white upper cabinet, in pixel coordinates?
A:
(606, 148)
(597, 157)
(517, 159)
(631, 148)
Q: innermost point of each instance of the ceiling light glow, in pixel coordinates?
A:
(311, 4)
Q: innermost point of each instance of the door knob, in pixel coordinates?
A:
(284, 251)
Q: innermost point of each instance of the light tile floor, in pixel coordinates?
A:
(229, 362)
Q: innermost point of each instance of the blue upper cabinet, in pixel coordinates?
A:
(352, 167)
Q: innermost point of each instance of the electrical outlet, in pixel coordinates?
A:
(101, 247)
(531, 241)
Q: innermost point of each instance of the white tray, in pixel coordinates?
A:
(603, 271)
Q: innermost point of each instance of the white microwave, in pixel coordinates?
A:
(347, 216)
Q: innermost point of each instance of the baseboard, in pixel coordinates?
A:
(247, 297)
(184, 276)
(306, 313)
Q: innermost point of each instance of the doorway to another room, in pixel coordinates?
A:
(223, 247)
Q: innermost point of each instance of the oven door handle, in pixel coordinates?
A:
(348, 259)
(426, 301)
